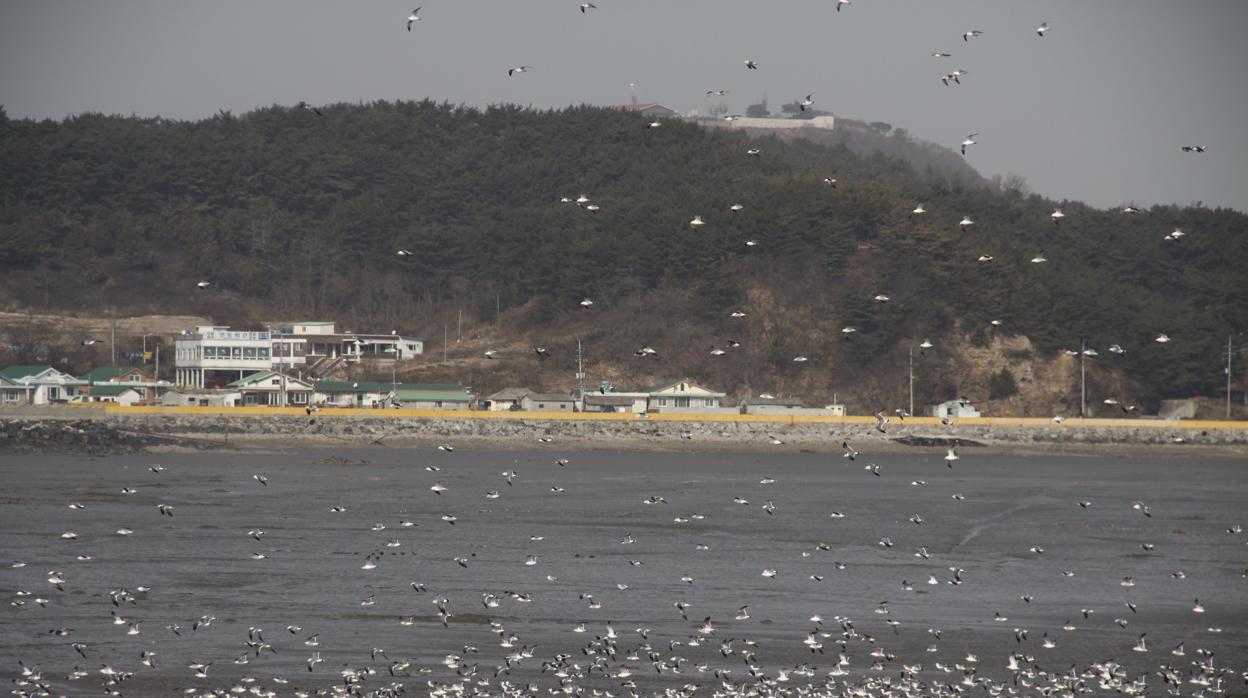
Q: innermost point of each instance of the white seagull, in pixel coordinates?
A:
(412, 18)
(968, 142)
(967, 36)
(1040, 30)
(518, 69)
(697, 222)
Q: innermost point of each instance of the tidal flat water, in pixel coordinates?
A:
(614, 540)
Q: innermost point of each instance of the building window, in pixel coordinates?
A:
(236, 352)
(134, 378)
(249, 352)
(541, 405)
(264, 352)
(298, 398)
(682, 402)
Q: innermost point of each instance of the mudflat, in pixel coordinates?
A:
(615, 540)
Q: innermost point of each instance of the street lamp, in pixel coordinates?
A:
(394, 381)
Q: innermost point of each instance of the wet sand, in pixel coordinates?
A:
(199, 561)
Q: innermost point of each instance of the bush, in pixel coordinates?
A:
(1002, 385)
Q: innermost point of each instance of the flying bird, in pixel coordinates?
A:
(968, 142)
(751, 65)
(518, 69)
(308, 107)
(587, 6)
(1040, 30)
(412, 18)
(1193, 148)
(967, 36)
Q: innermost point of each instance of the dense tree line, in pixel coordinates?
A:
(304, 214)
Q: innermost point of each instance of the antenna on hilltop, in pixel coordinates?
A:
(632, 90)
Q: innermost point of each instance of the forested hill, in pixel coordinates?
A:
(289, 213)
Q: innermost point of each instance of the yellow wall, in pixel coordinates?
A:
(660, 417)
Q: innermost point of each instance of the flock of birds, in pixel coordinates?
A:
(699, 221)
(468, 649)
(706, 655)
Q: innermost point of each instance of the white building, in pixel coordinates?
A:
(953, 409)
(38, 385)
(214, 356)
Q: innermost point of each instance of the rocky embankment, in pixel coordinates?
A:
(91, 436)
(122, 433)
(642, 433)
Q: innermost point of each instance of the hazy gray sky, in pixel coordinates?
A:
(1096, 110)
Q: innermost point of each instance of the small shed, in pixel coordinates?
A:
(953, 409)
(615, 402)
(201, 397)
(118, 393)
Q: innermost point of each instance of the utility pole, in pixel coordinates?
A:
(498, 306)
(445, 336)
(1228, 376)
(114, 340)
(1083, 383)
(459, 331)
(911, 381)
(580, 370)
(157, 362)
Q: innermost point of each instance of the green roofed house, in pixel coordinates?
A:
(148, 388)
(273, 389)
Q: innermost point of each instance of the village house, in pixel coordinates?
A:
(148, 388)
(371, 394)
(273, 389)
(423, 398)
(40, 385)
(611, 401)
(14, 393)
(516, 399)
(787, 406)
(505, 400)
(118, 393)
(196, 397)
(683, 395)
